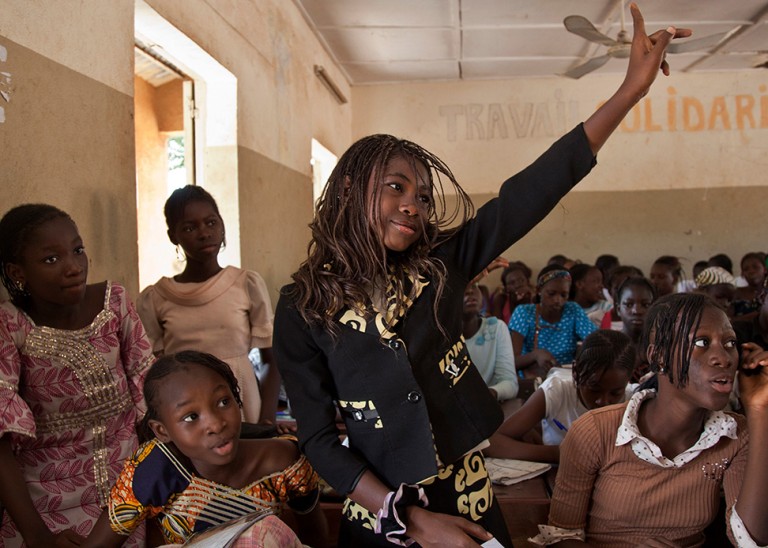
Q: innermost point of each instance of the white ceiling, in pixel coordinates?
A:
(377, 41)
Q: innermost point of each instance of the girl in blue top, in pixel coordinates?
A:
(546, 334)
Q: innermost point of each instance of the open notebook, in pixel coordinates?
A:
(509, 471)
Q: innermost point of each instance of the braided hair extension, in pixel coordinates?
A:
(16, 227)
(347, 258)
(171, 363)
(668, 328)
(602, 350)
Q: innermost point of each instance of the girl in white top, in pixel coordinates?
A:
(600, 376)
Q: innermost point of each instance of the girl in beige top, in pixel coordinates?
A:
(222, 311)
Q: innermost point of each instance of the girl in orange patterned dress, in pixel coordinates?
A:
(195, 472)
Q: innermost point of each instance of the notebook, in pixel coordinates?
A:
(509, 471)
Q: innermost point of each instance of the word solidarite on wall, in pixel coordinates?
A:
(491, 121)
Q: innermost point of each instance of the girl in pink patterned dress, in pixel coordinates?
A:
(72, 362)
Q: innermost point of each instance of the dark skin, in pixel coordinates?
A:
(200, 233)
(674, 419)
(431, 529)
(537, 363)
(196, 411)
(53, 267)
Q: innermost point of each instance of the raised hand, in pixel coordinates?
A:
(648, 53)
(753, 379)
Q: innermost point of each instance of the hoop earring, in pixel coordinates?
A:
(223, 242)
(180, 254)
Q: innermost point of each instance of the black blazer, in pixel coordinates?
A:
(416, 401)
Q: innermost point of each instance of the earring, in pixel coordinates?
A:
(223, 241)
(180, 254)
(21, 289)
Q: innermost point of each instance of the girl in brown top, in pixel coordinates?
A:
(650, 472)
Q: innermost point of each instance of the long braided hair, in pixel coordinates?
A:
(347, 258)
(668, 327)
(16, 227)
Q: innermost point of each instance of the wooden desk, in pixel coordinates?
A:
(525, 505)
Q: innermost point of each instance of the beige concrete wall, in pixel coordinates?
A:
(281, 106)
(684, 174)
(67, 137)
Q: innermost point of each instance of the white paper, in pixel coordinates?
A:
(493, 543)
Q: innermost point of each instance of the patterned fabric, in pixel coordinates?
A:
(459, 489)
(154, 483)
(180, 316)
(559, 338)
(69, 400)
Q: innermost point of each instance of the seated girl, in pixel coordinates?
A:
(515, 289)
(748, 299)
(587, 292)
(489, 347)
(600, 376)
(546, 334)
(195, 472)
(633, 299)
(651, 471)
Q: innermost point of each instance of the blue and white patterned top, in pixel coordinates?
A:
(559, 338)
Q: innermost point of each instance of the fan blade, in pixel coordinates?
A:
(705, 43)
(582, 27)
(593, 64)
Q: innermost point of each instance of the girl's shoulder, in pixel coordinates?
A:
(270, 455)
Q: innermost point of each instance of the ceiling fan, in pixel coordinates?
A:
(620, 47)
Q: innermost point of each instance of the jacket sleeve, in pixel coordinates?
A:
(524, 200)
(310, 387)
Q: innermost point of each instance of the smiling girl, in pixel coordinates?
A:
(371, 326)
(73, 357)
(222, 310)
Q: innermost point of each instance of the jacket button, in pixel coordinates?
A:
(414, 397)
(394, 344)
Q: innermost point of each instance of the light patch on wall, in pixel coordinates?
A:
(5, 83)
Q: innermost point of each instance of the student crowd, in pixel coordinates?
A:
(123, 425)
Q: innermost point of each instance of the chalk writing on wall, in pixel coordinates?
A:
(5, 83)
(673, 113)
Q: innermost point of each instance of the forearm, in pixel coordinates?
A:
(369, 492)
(751, 501)
(607, 118)
(17, 501)
(506, 447)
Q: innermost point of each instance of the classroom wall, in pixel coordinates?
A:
(67, 134)
(684, 174)
(66, 137)
(282, 105)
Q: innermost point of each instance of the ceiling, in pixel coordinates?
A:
(387, 41)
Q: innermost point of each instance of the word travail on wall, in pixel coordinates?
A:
(673, 113)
